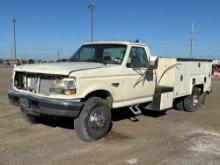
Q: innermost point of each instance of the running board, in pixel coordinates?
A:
(135, 109)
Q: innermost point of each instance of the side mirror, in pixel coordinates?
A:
(153, 62)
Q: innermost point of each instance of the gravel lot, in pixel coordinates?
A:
(169, 138)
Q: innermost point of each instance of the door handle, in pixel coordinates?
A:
(115, 84)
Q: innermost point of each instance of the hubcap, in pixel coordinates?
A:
(97, 120)
(195, 100)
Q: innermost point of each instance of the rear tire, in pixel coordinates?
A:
(179, 106)
(94, 120)
(192, 102)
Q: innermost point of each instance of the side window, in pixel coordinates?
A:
(137, 58)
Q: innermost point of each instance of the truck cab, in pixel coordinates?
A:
(122, 76)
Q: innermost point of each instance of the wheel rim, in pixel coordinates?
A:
(195, 100)
(97, 121)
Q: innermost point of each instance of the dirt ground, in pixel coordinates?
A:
(169, 138)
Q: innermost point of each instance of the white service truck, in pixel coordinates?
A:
(105, 75)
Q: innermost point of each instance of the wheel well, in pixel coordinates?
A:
(200, 87)
(102, 94)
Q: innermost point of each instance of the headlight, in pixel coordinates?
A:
(64, 86)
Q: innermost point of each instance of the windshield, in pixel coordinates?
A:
(103, 53)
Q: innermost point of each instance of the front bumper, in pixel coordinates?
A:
(37, 106)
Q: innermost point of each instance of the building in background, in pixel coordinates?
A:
(216, 62)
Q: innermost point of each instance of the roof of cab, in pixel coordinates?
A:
(115, 42)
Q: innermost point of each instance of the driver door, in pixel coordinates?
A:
(138, 80)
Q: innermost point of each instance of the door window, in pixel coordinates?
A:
(137, 58)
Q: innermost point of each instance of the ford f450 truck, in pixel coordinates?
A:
(105, 75)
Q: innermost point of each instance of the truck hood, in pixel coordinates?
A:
(58, 68)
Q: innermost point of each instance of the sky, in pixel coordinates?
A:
(45, 26)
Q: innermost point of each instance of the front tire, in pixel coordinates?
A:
(94, 120)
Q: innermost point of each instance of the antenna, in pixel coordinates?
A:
(192, 39)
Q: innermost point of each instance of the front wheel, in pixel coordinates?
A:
(94, 120)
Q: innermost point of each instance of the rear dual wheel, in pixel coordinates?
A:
(179, 105)
(190, 103)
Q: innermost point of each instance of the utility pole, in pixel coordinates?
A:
(14, 23)
(192, 39)
(91, 7)
(11, 53)
(58, 55)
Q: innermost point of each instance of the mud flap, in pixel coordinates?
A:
(202, 98)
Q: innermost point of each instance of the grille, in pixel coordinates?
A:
(36, 83)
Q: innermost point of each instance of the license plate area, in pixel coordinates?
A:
(24, 102)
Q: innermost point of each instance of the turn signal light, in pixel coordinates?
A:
(70, 91)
